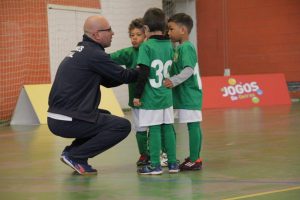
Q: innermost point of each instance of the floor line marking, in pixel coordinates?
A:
(264, 193)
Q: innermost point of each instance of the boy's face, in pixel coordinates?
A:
(137, 36)
(175, 31)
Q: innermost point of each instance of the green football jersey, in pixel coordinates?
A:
(188, 94)
(128, 58)
(157, 55)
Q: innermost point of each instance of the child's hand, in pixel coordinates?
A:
(168, 83)
(137, 102)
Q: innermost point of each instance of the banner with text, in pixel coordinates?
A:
(245, 91)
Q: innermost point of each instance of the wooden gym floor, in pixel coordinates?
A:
(251, 153)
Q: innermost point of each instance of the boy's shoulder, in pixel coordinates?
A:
(187, 44)
(156, 43)
(157, 38)
(185, 47)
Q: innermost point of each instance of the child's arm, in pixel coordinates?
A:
(175, 80)
(140, 84)
(122, 57)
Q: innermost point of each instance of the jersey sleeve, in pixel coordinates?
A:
(144, 57)
(121, 56)
(188, 56)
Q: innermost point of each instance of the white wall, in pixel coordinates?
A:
(65, 28)
(120, 13)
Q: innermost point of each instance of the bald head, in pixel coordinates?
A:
(98, 29)
(94, 23)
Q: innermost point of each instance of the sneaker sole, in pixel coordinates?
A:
(85, 173)
(193, 169)
(174, 171)
(70, 165)
(76, 171)
(151, 173)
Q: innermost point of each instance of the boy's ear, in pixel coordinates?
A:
(183, 29)
(146, 28)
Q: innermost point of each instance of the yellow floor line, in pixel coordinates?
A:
(264, 193)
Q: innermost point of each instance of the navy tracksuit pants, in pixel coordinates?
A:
(91, 139)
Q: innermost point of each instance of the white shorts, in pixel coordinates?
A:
(186, 116)
(156, 117)
(135, 117)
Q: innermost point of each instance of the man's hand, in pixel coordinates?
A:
(168, 83)
(137, 102)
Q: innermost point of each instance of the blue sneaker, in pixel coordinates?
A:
(63, 154)
(80, 168)
(173, 168)
(65, 151)
(150, 170)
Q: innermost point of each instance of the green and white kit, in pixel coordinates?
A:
(157, 101)
(187, 96)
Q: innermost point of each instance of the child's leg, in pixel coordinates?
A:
(155, 144)
(163, 146)
(170, 142)
(142, 141)
(195, 140)
(163, 155)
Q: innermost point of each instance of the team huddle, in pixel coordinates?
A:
(163, 76)
(168, 82)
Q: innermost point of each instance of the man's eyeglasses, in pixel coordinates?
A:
(109, 30)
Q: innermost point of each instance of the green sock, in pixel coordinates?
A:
(155, 144)
(195, 140)
(163, 146)
(169, 141)
(142, 142)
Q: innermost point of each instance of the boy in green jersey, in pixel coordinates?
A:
(154, 99)
(187, 88)
(128, 57)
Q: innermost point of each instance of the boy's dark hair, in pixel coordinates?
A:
(136, 23)
(155, 19)
(182, 19)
